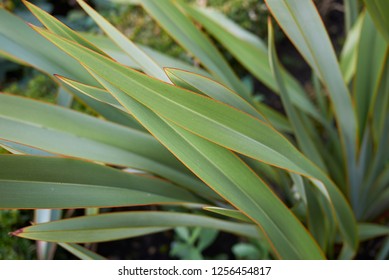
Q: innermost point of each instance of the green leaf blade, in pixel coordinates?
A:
(39, 182)
(147, 64)
(114, 226)
(169, 16)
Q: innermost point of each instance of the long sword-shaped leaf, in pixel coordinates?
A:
(217, 91)
(371, 55)
(168, 15)
(229, 213)
(119, 55)
(104, 96)
(49, 116)
(19, 149)
(379, 11)
(214, 121)
(62, 131)
(380, 101)
(314, 45)
(141, 58)
(113, 226)
(303, 138)
(251, 52)
(223, 171)
(46, 57)
(59, 28)
(39, 182)
(351, 10)
(212, 89)
(348, 56)
(369, 231)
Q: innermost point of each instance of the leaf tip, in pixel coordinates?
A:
(26, 3)
(16, 232)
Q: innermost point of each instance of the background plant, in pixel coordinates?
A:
(326, 161)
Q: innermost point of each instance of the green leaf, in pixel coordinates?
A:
(113, 226)
(306, 143)
(223, 172)
(49, 59)
(104, 96)
(97, 93)
(319, 220)
(351, 13)
(229, 213)
(369, 231)
(212, 120)
(149, 66)
(313, 43)
(161, 59)
(379, 104)
(18, 149)
(51, 128)
(81, 252)
(168, 15)
(371, 55)
(39, 182)
(207, 118)
(379, 11)
(207, 237)
(249, 50)
(278, 120)
(217, 91)
(212, 89)
(59, 28)
(348, 56)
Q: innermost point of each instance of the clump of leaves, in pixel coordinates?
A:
(193, 137)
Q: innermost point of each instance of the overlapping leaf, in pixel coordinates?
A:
(223, 171)
(168, 15)
(40, 55)
(379, 10)
(371, 55)
(113, 226)
(142, 59)
(305, 142)
(212, 120)
(250, 51)
(40, 182)
(314, 45)
(62, 131)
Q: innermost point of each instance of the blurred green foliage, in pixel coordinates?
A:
(254, 250)
(14, 248)
(34, 85)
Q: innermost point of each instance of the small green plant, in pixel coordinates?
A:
(190, 243)
(251, 251)
(310, 184)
